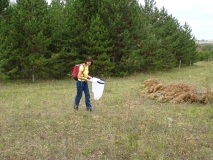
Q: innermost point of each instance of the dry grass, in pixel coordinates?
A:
(38, 121)
(174, 93)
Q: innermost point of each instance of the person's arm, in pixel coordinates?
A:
(89, 77)
(81, 77)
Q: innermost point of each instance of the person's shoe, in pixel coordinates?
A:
(89, 109)
(75, 106)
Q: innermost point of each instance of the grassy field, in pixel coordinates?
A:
(38, 121)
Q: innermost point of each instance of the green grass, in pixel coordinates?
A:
(38, 120)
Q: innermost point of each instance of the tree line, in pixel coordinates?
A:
(44, 40)
(205, 52)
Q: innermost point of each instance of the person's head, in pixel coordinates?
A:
(88, 61)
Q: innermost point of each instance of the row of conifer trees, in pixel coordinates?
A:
(122, 36)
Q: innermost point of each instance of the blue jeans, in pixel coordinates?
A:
(83, 86)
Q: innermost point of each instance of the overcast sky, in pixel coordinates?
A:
(197, 13)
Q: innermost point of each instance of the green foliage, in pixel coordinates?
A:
(166, 41)
(186, 51)
(8, 45)
(25, 40)
(124, 23)
(208, 47)
(103, 66)
(123, 37)
(205, 56)
(61, 52)
(98, 44)
(206, 53)
(3, 6)
(77, 28)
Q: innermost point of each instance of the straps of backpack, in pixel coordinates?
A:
(83, 68)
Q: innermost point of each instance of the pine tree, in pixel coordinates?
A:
(76, 30)
(121, 19)
(88, 35)
(151, 39)
(167, 43)
(97, 44)
(166, 30)
(122, 37)
(186, 51)
(6, 46)
(59, 63)
(27, 54)
(3, 5)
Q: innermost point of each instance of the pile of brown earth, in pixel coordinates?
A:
(174, 93)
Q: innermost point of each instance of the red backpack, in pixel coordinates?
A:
(76, 70)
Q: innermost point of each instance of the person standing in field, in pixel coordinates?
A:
(82, 84)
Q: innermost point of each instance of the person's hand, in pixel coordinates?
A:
(88, 80)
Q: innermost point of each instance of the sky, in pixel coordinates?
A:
(197, 13)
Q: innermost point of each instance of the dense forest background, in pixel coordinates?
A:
(40, 41)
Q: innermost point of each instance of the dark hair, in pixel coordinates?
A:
(88, 59)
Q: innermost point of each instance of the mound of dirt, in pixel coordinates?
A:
(173, 93)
